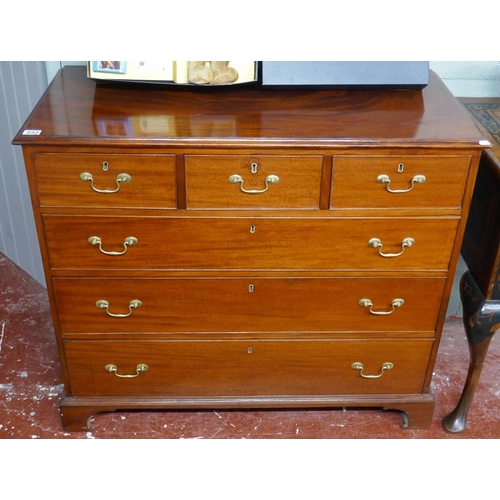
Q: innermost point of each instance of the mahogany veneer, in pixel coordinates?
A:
(242, 248)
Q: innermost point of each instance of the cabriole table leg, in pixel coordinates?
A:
(481, 320)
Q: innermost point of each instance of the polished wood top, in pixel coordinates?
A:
(76, 110)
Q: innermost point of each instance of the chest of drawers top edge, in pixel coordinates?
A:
(76, 111)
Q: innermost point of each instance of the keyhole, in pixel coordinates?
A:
(252, 229)
(250, 288)
(401, 167)
(253, 168)
(249, 350)
(105, 165)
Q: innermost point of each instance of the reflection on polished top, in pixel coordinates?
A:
(76, 110)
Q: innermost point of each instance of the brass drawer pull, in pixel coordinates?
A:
(368, 303)
(104, 304)
(270, 179)
(120, 179)
(141, 367)
(127, 242)
(376, 243)
(385, 179)
(359, 366)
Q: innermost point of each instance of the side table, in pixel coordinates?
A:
(480, 285)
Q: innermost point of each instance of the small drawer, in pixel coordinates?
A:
(254, 304)
(245, 182)
(246, 368)
(249, 243)
(399, 181)
(105, 180)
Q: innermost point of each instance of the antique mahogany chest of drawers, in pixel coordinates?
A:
(240, 248)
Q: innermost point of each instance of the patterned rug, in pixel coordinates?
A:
(486, 113)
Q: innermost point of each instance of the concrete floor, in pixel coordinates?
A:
(31, 386)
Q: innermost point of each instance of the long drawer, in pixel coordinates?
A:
(399, 181)
(246, 367)
(106, 180)
(259, 181)
(107, 305)
(253, 243)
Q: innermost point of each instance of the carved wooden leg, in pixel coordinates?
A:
(481, 320)
(456, 421)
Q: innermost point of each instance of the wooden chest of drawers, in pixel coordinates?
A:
(243, 248)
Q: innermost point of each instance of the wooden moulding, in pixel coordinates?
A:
(76, 413)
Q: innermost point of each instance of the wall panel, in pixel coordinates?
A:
(21, 85)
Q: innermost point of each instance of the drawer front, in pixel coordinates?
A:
(416, 181)
(106, 180)
(184, 243)
(250, 368)
(247, 304)
(235, 181)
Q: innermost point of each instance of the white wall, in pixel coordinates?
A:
(469, 78)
